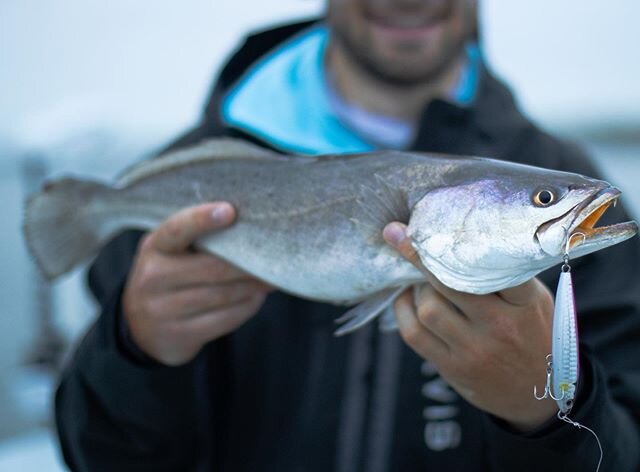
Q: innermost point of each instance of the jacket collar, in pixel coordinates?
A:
(489, 126)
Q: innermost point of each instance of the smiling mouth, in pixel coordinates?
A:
(583, 231)
(406, 22)
(403, 24)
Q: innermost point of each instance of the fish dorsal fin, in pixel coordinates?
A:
(208, 150)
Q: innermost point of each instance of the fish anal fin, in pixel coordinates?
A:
(387, 320)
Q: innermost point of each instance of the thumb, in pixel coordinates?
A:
(181, 229)
(395, 235)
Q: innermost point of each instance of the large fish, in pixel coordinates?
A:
(312, 226)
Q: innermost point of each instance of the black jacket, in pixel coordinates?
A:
(282, 394)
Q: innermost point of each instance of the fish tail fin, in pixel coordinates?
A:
(64, 224)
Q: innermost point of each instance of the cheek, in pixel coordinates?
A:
(347, 21)
(344, 14)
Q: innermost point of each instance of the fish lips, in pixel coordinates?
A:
(575, 231)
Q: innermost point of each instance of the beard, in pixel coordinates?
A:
(395, 73)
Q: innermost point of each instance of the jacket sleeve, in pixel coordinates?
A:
(115, 410)
(607, 288)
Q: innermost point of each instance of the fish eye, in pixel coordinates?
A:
(544, 197)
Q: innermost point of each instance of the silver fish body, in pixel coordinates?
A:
(312, 225)
(307, 226)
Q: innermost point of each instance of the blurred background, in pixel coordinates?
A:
(88, 87)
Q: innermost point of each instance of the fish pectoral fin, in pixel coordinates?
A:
(387, 321)
(366, 311)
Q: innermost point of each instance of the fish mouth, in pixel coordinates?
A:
(582, 236)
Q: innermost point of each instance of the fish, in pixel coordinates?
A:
(312, 226)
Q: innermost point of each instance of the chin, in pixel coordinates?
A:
(399, 61)
(414, 70)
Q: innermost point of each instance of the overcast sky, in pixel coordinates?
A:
(144, 66)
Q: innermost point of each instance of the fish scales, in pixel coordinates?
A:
(295, 216)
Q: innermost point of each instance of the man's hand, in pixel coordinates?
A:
(490, 348)
(175, 300)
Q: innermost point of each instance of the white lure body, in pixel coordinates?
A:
(565, 344)
(563, 365)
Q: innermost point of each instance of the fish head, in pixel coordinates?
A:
(501, 227)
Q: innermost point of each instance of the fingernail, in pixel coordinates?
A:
(220, 213)
(394, 234)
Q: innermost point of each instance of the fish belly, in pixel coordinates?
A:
(330, 266)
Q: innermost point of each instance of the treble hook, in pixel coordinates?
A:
(548, 392)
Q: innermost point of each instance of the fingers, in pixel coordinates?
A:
(169, 286)
(162, 323)
(212, 325)
(180, 230)
(178, 271)
(521, 294)
(415, 334)
(469, 304)
(439, 316)
(191, 302)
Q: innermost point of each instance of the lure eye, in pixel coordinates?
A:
(544, 198)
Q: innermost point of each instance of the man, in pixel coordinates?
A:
(195, 365)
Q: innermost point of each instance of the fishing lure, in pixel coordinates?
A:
(563, 364)
(564, 346)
